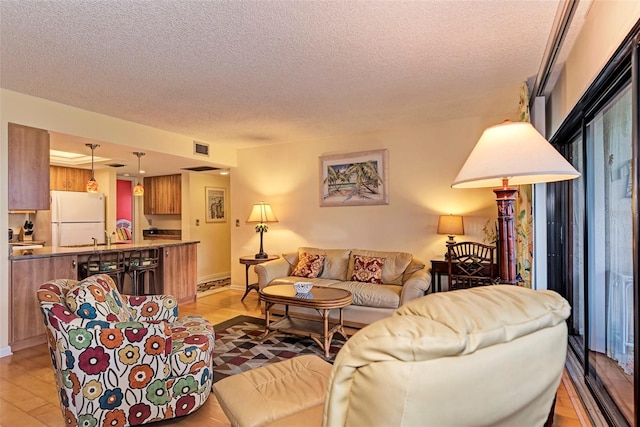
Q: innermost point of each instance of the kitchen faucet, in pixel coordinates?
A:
(95, 243)
(106, 233)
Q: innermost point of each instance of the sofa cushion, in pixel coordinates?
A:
(336, 262)
(370, 294)
(394, 266)
(367, 269)
(489, 315)
(309, 265)
(97, 298)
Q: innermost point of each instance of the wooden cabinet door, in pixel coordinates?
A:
(163, 195)
(179, 272)
(58, 178)
(68, 179)
(27, 327)
(149, 196)
(28, 150)
(77, 179)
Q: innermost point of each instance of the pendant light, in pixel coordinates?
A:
(138, 189)
(92, 184)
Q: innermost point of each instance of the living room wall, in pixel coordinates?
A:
(424, 159)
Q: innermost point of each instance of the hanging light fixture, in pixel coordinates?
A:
(92, 184)
(138, 189)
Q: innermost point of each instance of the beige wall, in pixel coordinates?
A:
(214, 250)
(424, 159)
(605, 27)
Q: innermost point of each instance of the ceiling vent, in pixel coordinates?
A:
(200, 148)
(201, 169)
(115, 165)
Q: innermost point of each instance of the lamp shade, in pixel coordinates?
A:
(261, 213)
(515, 151)
(450, 224)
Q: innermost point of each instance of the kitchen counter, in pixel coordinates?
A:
(177, 275)
(52, 251)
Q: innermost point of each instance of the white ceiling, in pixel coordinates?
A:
(257, 72)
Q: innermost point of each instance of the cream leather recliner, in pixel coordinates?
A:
(488, 356)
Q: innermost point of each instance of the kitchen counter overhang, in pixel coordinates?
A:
(52, 251)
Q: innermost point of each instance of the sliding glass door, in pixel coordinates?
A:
(609, 256)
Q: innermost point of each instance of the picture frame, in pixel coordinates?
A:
(215, 204)
(354, 179)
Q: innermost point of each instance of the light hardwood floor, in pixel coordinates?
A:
(28, 393)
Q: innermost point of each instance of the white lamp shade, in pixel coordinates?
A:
(515, 151)
(261, 213)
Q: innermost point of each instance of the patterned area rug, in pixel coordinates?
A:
(238, 348)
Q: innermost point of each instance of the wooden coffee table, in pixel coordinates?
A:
(321, 299)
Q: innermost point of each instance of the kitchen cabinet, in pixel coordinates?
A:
(163, 195)
(179, 271)
(28, 150)
(68, 179)
(26, 326)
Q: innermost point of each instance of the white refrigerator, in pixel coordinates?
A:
(76, 218)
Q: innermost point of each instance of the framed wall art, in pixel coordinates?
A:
(215, 204)
(354, 179)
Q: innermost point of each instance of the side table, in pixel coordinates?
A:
(248, 261)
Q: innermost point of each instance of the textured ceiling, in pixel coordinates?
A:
(258, 72)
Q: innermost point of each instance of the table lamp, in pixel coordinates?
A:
(261, 213)
(511, 153)
(451, 225)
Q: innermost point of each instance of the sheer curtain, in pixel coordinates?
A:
(618, 232)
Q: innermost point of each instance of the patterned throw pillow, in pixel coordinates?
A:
(309, 265)
(367, 269)
(97, 298)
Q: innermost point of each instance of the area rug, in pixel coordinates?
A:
(238, 348)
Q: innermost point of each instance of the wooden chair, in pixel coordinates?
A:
(109, 263)
(471, 264)
(143, 263)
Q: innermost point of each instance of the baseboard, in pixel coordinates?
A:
(5, 351)
(212, 277)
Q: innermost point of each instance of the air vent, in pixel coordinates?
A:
(115, 165)
(201, 169)
(200, 148)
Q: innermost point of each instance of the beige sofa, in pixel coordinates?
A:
(488, 356)
(404, 279)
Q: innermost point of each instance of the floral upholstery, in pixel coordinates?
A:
(149, 367)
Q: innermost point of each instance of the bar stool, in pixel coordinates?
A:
(139, 265)
(109, 263)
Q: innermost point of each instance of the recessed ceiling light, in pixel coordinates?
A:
(224, 172)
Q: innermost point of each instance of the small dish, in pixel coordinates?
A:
(303, 287)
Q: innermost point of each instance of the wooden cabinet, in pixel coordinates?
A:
(26, 325)
(28, 150)
(163, 195)
(68, 179)
(179, 271)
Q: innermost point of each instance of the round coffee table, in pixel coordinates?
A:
(319, 298)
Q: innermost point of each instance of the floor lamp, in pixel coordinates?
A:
(506, 155)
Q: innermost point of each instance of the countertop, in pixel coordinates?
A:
(51, 251)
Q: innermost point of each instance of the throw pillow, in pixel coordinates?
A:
(309, 265)
(367, 269)
(97, 298)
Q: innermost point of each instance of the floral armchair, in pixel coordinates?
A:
(124, 360)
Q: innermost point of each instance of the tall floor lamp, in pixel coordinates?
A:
(511, 153)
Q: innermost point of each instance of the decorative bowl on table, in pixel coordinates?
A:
(303, 287)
